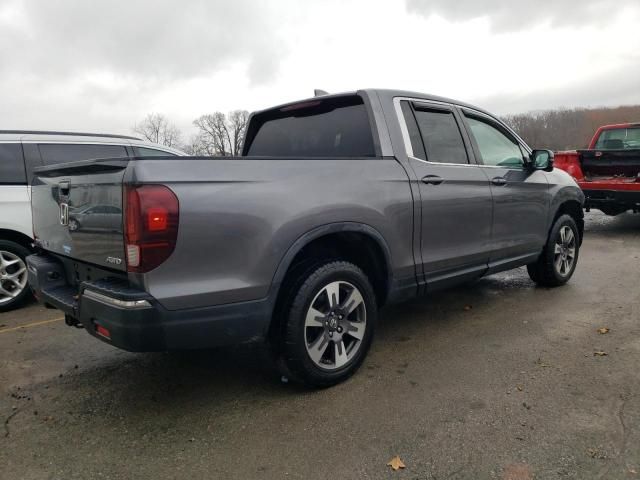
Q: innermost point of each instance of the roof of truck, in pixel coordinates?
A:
(615, 126)
(382, 92)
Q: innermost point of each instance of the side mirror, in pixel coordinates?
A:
(542, 160)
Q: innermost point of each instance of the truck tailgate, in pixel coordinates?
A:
(77, 211)
(624, 163)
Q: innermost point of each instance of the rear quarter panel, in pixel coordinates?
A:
(238, 218)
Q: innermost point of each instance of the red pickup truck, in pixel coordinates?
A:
(608, 172)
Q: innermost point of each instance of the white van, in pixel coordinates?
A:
(20, 153)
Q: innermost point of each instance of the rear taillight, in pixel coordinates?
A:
(151, 225)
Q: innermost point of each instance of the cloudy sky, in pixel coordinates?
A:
(101, 66)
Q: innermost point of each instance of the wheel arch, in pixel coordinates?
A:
(16, 237)
(573, 208)
(338, 240)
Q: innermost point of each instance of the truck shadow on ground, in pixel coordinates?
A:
(620, 226)
(171, 385)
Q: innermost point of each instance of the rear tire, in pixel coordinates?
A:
(14, 289)
(558, 260)
(329, 323)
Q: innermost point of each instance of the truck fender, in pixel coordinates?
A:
(316, 233)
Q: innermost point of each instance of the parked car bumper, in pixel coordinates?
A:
(132, 320)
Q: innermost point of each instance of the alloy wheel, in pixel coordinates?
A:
(564, 251)
(335, 325)
(13, 276)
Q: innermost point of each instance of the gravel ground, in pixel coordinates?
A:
(498, 379)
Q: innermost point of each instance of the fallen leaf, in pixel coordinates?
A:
(395, 463)
(468, 307)
(603, 330)
(600, 353)
(519, 388)
(517, 472)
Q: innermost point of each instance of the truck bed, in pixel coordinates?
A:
(598, 164)
(610, 179)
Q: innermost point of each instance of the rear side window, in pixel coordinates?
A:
(12, 170)
(323, 128)
(435, 135)
(52, 153)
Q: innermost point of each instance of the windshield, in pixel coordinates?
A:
(619, 139)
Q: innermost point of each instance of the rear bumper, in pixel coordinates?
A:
(133, 320)
(603, 197)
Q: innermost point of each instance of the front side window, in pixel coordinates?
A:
(496, 149)
(53, 153)
(12, 164)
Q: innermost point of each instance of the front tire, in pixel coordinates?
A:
(14, 289)
(558, 260)
(329, 324)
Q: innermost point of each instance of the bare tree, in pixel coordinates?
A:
(156, 128)
(237, 121)
(564, 128)
(219, 133)
(200, 146)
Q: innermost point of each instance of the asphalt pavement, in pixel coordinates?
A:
(498, 379)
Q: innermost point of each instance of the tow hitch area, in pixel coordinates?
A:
(72, 322)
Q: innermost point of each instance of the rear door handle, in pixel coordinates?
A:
(499, 181)
(432, 180)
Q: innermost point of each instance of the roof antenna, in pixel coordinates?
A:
(319, 93)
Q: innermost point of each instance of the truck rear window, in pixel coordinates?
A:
(619, 139)
(336, 127)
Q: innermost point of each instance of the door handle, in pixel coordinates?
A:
(432, 180)
(499, 181)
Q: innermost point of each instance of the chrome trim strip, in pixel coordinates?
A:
(69, 142)
(115, 302)
(403, 127)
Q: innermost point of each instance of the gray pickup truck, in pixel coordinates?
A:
(338, 205)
